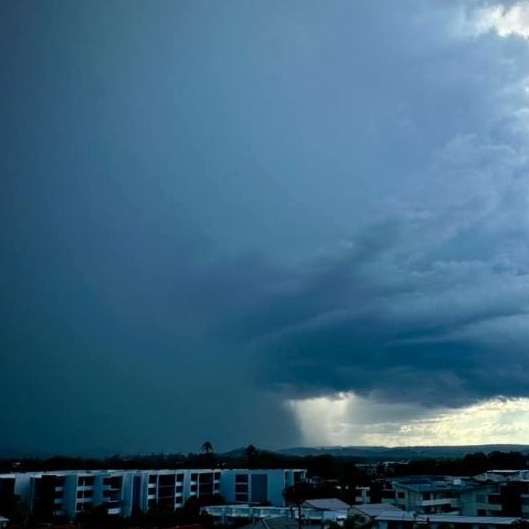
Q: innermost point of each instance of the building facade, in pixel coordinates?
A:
(259, 486)
(68, 494)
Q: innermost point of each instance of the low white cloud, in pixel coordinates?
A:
(504, 21)
(347, 419)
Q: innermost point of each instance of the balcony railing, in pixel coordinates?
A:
(439, 501)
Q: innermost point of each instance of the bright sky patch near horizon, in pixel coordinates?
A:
(267, 223)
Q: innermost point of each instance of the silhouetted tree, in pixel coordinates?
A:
(520, 524)
(251, 454)
(207, 448)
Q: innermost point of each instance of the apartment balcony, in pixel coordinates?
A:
(83, 488)
(439, 501)
(495, 509)
(114, 510)
(59, 489)
(111, 499)
(85, 500)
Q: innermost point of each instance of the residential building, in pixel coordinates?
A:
(172, 488)
(412, 520)
(362, 514)
(497, 498)
(429, 494)
(282, 522)
(228, 514)
(362, 495)
(68, 494)
(258, 486)
(326, 504)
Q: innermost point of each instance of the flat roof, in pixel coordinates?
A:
(448, 518)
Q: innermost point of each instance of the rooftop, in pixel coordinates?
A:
(327, 504)
(433, 483)
(446, 518)
(374, 509)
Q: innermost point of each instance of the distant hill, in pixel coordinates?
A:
(383, 453)
(368, 453)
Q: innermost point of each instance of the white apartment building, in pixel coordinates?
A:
(172, 488)
(258, 486)
(119, 492)
(429, 494)
(69, 493)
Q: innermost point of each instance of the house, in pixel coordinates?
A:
(365, 514)
(281, 522)
(233, 514)
(326, 504)
(412, 520)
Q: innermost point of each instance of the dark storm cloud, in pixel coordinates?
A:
(399, 334)
(207, 209)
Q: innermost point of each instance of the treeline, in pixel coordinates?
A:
(324, 466)
(469, 465)
(345, 470)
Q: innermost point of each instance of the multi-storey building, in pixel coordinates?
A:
(68, 494)
(429, 494)
(486, 495)
(172, 488)
(258, 486)
(507, 498)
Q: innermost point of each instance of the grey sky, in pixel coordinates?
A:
(210, 209)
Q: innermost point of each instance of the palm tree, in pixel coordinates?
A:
(207, 448)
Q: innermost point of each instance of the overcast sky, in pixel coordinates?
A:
(278, 223)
